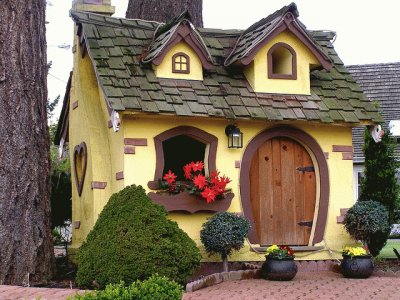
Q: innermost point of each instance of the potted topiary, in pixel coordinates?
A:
(368, 222)
(356, 263)
(223, 233)
(279, 263)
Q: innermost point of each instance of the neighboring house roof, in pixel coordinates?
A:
(116, 47)
(381, 83)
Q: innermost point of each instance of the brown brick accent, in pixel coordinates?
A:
(75, 104)
(129, 150)
(326, 155)
(99, 185)
(119, 175)
(347, 155)
(339, 219)
(77, 224)
(135, 142)
(342, 148)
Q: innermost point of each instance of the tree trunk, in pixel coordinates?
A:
(165, 10)
(26, 249)
(225, 266)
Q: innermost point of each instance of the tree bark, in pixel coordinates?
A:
(26, 249)
(165, 10)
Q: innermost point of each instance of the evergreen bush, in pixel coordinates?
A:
(380, 183)
(156, 287)
(223, 233)
(368, 221)
(133, 239)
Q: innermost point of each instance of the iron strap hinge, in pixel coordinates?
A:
(306, 169)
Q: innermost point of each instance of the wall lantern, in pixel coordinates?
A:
(235, 137)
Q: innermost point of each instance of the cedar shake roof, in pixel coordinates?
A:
(168, 35)
(381, 83)
(257, 35)
(116, 47)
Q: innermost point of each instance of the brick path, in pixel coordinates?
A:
(305, 286)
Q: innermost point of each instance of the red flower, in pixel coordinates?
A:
(197, 166)
(169, 177)
(199, 181)
(187, 169)
(223, 181)
(214, 177)
(208, 194)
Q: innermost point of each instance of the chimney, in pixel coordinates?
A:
(96, 6)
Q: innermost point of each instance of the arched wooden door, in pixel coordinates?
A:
(282, 192)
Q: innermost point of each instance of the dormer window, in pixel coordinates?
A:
(282, 62)
(180, 63)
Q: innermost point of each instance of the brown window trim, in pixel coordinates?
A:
(272, 75)
(174, 62)
(193, 132)
(311, 143)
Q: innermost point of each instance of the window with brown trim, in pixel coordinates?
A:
(181, 145)
(282, 62)
(180, 63)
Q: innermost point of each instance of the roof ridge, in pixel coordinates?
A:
(373, 64)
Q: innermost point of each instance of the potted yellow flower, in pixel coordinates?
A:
(279, 263)
(356, 263)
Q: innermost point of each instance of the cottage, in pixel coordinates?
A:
(272, 107)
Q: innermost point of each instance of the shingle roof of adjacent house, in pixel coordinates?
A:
(381, 83)
(117, 46)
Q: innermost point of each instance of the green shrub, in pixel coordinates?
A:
(368, 221)
(223, 233)
(156, 287)
(133, 239)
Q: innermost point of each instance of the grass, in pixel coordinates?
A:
(387, 251)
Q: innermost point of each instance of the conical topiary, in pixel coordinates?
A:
(133, 239)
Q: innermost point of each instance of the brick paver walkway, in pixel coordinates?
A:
(305, 286)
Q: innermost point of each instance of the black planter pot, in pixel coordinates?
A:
(357, 266)
(279, 269)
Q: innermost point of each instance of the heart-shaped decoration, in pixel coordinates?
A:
(80, 163)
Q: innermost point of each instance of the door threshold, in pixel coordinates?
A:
(295, 248)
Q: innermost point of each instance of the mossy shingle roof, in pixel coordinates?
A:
(116, 47)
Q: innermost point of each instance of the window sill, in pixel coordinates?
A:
(190, 203)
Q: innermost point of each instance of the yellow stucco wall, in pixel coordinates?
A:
(257, 72)
(141, 168)
(89, 124)
(164, 70)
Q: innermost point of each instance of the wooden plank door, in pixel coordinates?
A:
(283, 192)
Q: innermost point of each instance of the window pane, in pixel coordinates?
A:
(179, 151)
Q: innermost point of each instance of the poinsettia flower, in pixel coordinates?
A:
(187, 169)
(169, 177)
(197, 166)
(221, 184)
(214, 180)
(208, 194)
(200, 181)
(218, 190)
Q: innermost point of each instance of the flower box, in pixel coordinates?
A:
(190, 203)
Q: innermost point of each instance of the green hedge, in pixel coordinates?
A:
(133, 239)
(156, 287)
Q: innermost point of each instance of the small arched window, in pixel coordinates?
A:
(282, 62)
(180, 63)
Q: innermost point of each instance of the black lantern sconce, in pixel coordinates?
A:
(235, 136)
